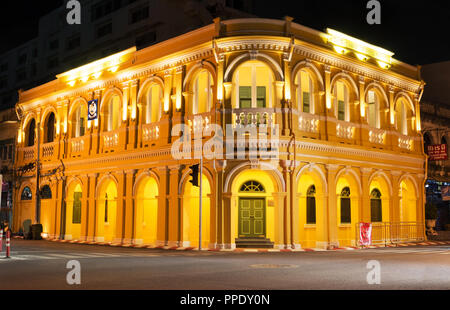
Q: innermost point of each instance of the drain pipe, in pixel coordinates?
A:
(291, 172)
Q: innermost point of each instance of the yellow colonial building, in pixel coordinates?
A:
(345, 140)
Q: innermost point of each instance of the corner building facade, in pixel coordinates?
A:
(350, 148)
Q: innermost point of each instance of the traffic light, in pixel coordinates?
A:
(194, 175)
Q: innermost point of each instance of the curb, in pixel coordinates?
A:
(244, 250)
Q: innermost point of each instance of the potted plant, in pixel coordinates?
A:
(430, 216)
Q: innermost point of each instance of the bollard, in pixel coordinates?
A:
(1, 239)
(8, 243)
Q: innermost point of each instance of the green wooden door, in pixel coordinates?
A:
(252, 218)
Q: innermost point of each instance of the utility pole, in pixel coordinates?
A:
(38, 197)
(200, 213)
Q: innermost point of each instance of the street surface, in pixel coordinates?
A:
(42, 265)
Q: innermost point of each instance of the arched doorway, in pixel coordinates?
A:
(310, 201)
(191, 214)
(106, 211)
(146, 211)
(73, 211)
(46, 209)
(254, 209)
(408, 201)
(347, 203)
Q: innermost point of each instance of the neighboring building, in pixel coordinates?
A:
(349, 148)
(107, 27)
(435, 109)
(9, 127)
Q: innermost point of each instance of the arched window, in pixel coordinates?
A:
(311, 205)
(202, 92)
(375, 206)
(253, 86)
(305, 92)
(46, 192)
(153, 104)
(252, 187)
(346, 215)
(373, 104)
(49, 128)
(26, 194)
(79, 120)
(341, 95)
(112, 113)
(31, 133)
(401, 113)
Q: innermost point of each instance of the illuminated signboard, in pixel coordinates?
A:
(437, 152)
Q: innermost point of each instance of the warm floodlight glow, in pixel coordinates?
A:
(110, 63)
(362, 50)
(71, 83)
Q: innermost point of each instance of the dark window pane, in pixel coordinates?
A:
(341, 110)
(345, 210)
(311, 210)
(76, 215)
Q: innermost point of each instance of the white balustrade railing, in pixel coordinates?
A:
(28, 152)
(405, 142)
(308, 122)
(77, 145)
(48, 149)
(377, 136)
(345, 130)
(253, 117)
(197, 123)
(150, 132)
(110, 139)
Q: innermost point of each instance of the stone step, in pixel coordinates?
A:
(263, 243)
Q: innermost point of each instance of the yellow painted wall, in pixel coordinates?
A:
(73, 231)
(191, 212)
(146, 211)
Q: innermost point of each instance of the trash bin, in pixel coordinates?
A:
(36, 231)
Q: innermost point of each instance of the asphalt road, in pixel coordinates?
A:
(42, 265)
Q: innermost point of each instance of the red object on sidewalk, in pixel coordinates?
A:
(8, 243)
(365, 234)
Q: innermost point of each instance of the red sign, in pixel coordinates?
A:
(365, 233)
(437, 152)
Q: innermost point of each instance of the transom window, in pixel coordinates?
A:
(46, 192)
(252, 187)
(26, 194)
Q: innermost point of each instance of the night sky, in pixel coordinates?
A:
(416, 31)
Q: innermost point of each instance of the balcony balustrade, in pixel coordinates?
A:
(150, 132)
(28, 153)
(405, 142)
(110, 139)
(253, 117)
(308, 122)
(345, 130)
(48, 150)
(377, 136)
(77, 146)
